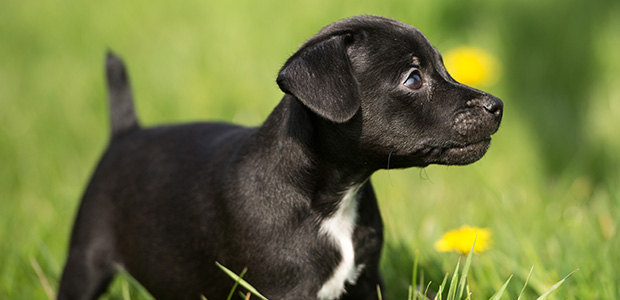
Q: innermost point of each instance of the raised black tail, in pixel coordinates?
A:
(122, 115)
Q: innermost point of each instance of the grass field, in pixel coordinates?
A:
(548, 190)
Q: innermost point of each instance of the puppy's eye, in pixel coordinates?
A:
(414, 81)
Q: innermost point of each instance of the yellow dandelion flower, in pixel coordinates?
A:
(462, 240)
(472, 66)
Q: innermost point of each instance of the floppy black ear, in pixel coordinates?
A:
(320, 75)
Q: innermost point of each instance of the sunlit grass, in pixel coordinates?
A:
(208, 60)
(456, 289)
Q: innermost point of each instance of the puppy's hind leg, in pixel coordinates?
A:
(91, 261)
(84, 277)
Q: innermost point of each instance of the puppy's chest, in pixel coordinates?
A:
(339, 229)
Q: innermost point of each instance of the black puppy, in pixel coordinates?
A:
(290, 199)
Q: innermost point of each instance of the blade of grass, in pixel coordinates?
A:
(418, 294)
(410, 293)
(526, 281)
(42, 279)
(421, 282)
(442, 287)
(414, 275)
(232, 291)
(439, 293)
(379, 292)
(426, 291)
(455, 278)
(555, 286)
(242, 282)
(124, 275)
(499, 293)
(125, 290)
(463, 281)
(468, 293)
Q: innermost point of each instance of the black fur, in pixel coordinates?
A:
(166, 203)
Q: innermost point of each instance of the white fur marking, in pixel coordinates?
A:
(339, 228)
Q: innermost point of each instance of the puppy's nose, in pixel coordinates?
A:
(493, 105)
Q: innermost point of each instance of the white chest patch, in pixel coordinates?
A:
(339, 229)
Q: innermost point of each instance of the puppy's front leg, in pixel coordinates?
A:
(366, 286)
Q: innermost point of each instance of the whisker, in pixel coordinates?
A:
(388, 168)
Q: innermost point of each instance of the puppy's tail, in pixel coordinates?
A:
(122, 115)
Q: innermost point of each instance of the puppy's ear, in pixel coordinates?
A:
(321, 76)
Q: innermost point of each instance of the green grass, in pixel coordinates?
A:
(549, 188)
(455, 290)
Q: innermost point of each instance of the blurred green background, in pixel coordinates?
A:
(549, 188)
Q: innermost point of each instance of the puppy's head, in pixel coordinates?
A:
(386, 75)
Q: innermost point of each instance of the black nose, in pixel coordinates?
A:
(493, 105)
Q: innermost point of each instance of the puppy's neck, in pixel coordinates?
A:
(318, 156)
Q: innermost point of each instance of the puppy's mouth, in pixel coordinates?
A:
(462, 154)
(481, 145)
